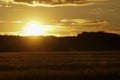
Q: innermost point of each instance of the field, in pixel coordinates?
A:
(91, 65)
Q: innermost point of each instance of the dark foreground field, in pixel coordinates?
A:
(92, 65)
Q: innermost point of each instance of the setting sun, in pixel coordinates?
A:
(34, 28)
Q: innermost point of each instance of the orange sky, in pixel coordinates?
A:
(66, 18)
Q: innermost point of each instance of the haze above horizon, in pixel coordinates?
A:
(58, 17)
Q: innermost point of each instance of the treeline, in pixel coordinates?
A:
(83, 42)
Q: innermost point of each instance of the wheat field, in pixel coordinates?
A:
(86, 65)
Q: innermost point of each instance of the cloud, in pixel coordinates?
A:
(82, 22)
(11, 21)
(52, 3)
(97, 0)
(71, 27)
(64, 27)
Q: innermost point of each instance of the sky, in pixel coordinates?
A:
(60, 17)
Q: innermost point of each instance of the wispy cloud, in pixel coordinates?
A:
(83, 22)
(64, 27)
(11, 21)
(74, 26)
(52, 3)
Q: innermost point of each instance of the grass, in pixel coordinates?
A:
(60, 66)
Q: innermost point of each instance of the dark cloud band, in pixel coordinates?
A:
(53, 1)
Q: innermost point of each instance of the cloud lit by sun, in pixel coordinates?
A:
(35, 28)
(7, 1)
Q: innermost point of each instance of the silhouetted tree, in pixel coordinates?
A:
(84, 41)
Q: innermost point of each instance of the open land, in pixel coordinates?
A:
(83, 65)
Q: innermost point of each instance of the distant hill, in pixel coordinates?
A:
(87, 41)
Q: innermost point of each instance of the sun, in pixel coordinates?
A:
(34, 28)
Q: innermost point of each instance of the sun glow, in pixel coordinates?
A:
(35, 29)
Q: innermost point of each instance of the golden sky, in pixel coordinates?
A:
(61, 17)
